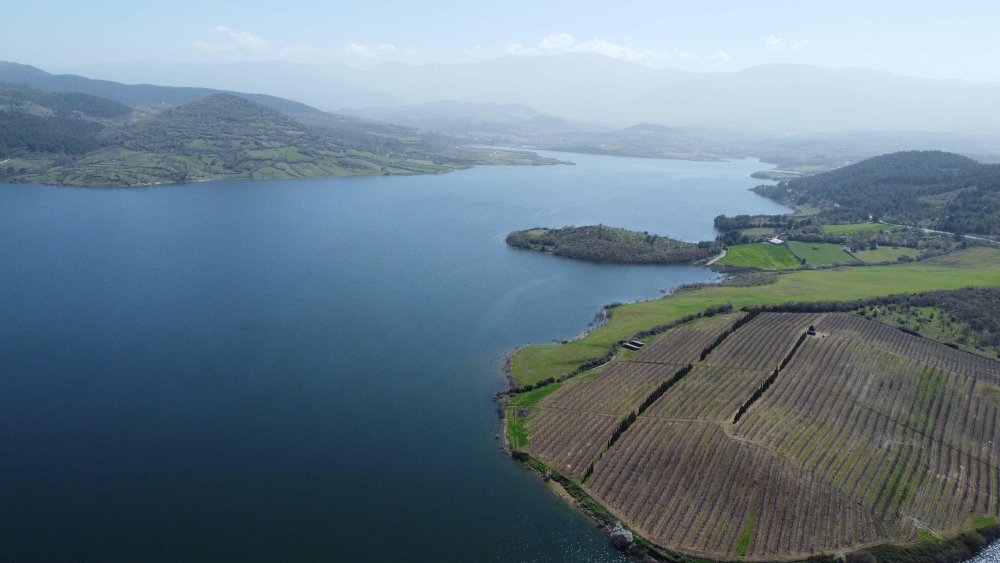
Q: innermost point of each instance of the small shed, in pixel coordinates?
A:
(775, 241)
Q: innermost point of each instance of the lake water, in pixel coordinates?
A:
(302, 370)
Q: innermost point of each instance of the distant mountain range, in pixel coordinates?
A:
(475, 119)
(592, 88)
(802, 118)
(134, 95)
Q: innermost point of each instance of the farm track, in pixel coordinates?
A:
(867, 435)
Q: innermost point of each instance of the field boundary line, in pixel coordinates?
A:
(666, 386)
(770, 380)
(627, 422)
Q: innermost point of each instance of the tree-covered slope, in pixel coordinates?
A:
(20, 98)
(51, 122)
(930, 189)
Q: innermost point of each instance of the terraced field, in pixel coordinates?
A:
(570, 427)
(778, 444)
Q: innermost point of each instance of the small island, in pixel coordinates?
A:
(613, 245)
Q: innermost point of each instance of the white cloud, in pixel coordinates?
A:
(376, 52)
(561, 43)
(236, 42)
(720, 57)
(229, 44)
(778, 44)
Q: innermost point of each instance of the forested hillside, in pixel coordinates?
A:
(929, 189)
(33, 120)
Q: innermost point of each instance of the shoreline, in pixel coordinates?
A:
(537, 160)
(968, 537)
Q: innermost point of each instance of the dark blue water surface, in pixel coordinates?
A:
(302, 370)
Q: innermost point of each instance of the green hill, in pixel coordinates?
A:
(929, 189)
(220, 136)
(79, 139)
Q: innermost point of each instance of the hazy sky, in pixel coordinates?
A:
(953, 39)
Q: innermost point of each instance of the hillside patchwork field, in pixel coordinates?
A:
(778, 436)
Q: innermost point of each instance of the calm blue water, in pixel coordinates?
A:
(302, 370)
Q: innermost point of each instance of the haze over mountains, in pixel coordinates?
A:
(591, 87)
(803, 118)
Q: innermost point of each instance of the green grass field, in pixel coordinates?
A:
(886, 254)
(757, 232)
(820, 254)
(852, 228)
(972, 267)
(760, 255)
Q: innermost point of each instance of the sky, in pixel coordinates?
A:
(955, 39)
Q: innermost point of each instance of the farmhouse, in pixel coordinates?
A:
(775, 241)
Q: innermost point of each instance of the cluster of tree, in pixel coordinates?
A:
(599, 243)
(971, 316)
(810, 229)
(973, 311)
(60, 104)
(62, 135)
(976, 307)
(924, 243)
(53, 122)
(930, 189)
(727, 224)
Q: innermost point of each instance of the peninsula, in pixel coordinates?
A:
(814, 413)
(599, 243)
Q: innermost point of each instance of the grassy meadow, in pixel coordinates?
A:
(819, 253)
(762, 255)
